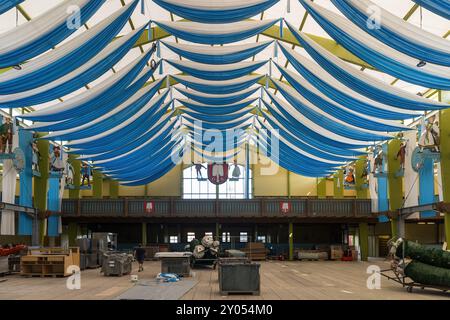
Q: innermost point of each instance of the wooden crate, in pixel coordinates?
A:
(255, 251)
(49, 262)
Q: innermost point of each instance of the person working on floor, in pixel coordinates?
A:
(139, 254)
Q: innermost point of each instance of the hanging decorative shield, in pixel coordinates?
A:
(218, 173)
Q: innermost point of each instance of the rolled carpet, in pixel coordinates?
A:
(428, 275)
(432, 256)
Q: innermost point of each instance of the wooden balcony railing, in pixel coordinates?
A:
(173, 208)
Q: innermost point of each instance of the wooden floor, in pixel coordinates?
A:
(304, 280)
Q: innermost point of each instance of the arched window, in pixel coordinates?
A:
(199, 187)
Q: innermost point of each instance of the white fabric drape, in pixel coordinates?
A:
(374, 44)
(130, 120)
(215, 29)
(9, 190)
(214, 68)
(218, 50)
(400, 26)
(39, 26)
(215, 4)
(321, 73)
(310, 124)
(364, 76)
(114, 46)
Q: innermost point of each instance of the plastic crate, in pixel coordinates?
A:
(239, 278)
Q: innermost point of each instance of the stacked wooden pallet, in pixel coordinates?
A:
(255, 251)
(47, 262)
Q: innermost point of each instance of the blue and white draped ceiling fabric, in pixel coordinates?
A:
(218, 87)
(217, 55)
(6, 5)
(314, 96)
(216, 109)
(360, 81)
(110, 119)
(215, 33)
(302, 126)
(66, 58)
(325, 120)
(376, 53)
(76, 79)
(140, 118)
(45, 31)
(217, 118)
(397, 33)
(137, 137)
(94, 103)
(216, 72)
(219, 126)
(326, 83)
(159, 131)
(218, 99)
(216, 11)
(439, 7)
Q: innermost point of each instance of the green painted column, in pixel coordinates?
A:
(321, 188)
(41, 185)
(395, 184)
(361, 191)
(113, 189)
(364, 240)
(72, 233)
(218, 231)
(97, 189)
(291, 241)
(338, 182)
(144, 233)
(76, 164)
(444, 122)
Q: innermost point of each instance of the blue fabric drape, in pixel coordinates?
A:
(156, 133)
(440, 7)
(110, 122)
(218, 159)
(216, 118)
(100, 104)
(426, 187)
(324, 122)
(69, 62)
(144, 119)
(234, 57)
(335, 110)
(140, 133)
(215, 75)
(300, 130)
(216, 88)
(6, 5)
(218, 100)
(75, 82)
(391, 37)
(359, 85)
(221, 126)
(49, 40)
(383, 197)
(223, 15)
(301, 144)
(216, 110)
(215, 38)
(378, 60)
(344, 98)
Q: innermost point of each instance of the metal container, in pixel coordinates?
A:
(178, 265)
(83, 244)
(4, 266)
(239, 278)
(92, 261)
(82, 261)
(117, 264)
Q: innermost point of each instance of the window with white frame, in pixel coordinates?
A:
(173, 239)
(243, 237)
(197, 186)
(190, 236)
(226, 237)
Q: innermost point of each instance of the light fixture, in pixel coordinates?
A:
(421, 64)
(17, 67)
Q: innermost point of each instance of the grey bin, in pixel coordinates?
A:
(92, 261)
(177, 265)
(239, 278)
(117, 264)
(82, 261)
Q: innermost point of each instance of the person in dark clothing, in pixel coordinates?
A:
(139, 254)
